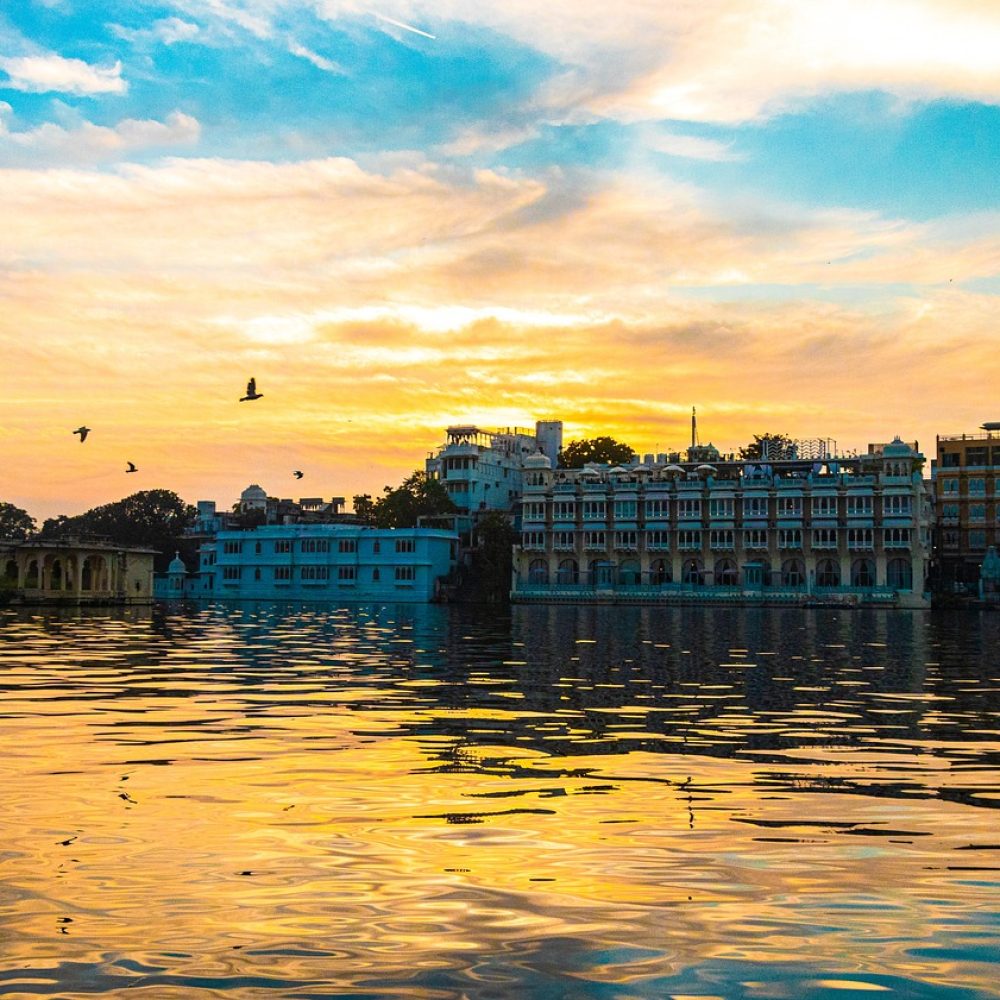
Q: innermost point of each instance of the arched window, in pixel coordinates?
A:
(56, 575)
(600, 573)
(31, 577)
(629, 573)
(568, 572)
(660, 572)
(693, 572)
(863, 573)
(725, 573)
(827, 573)
(899, 574)
(793, 573)
(538, 571)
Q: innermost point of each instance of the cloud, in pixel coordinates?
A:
(692, 147)
(167, 30)
(90, 143)
(320, 62)
(45, 73)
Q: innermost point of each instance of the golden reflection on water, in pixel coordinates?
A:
(269, 801)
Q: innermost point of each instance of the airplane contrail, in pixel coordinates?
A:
(405, 27)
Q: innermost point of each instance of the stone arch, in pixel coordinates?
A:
(10, 571)
(32, 575)
(629, 572)
(538, 571)
(863, 573)
(601, 573)
(87, 574)
(660, 572)
(899, 573)
(57, 575)
(827, 573)
(725, 573)
(793, 573)
(568, 572)
(693, 572)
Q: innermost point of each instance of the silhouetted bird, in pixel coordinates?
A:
(83, 432)
(252, 392)
(297, 474)
(131, 467)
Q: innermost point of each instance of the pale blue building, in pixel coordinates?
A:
(336, 563)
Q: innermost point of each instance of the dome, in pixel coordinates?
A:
(898, 449)
(537, 461)
(253, 492)
(177, 564)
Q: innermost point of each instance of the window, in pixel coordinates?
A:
(659, 540)
(564, 510)
(721, 538)
(405, 545)
(256, 548)
(626, 540)
(827, 573)
(897, 538)
(348, 545)
(538, 571)
(860, 538)
(595, 510)
(951, 460)
(789, 506)
(230, 572)
(657, 508)
(625, 510)
(949, 510)
(824, 538)
(790, 538)
(978, 456)
(721, 508)
(754, 507)
(282, 573)
(564, 540)
(977, 486)
(824, 506)
(594, 539)
(793, 573)
(689, 509)
(314, 573)
(977, 512)
(376, 547)
(347, 573)
(256, 573)
(859, 506)
(282, 545)
(232, 548)
(898, 506)
(688, 539)
(533, 539)
(457, 486)
(316, 545)
(949, 485)
(755, 538)
(533, 510)
(950, 539)
(405, 574)
(977, 539)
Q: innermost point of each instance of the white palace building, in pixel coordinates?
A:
(843, 530)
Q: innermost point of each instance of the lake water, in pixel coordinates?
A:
(435, 802)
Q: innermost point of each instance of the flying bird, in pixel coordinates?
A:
(131, 467)
(83, 432)
(252, 392)
(297, 474)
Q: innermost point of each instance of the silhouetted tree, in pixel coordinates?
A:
(364, 508)
(417, 496)
(492, 557)
(154, 519)
(604, 450)
(15, 522)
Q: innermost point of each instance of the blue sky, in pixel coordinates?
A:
(249, 174)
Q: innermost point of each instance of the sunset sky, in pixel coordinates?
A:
(400, 216)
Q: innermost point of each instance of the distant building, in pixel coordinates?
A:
(851, 530)
(336, 563)
(967, 493)
(482, 470)
(77, 571)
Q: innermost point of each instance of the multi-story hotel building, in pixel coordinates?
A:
(967, 494)
(333, 563)
(484, 470)
(852, 529)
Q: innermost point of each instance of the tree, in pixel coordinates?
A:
(14, 522)
(364, 508)
(767, 447)
(492, 557)
(603, 450)
(417, 496)
(154, 519)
